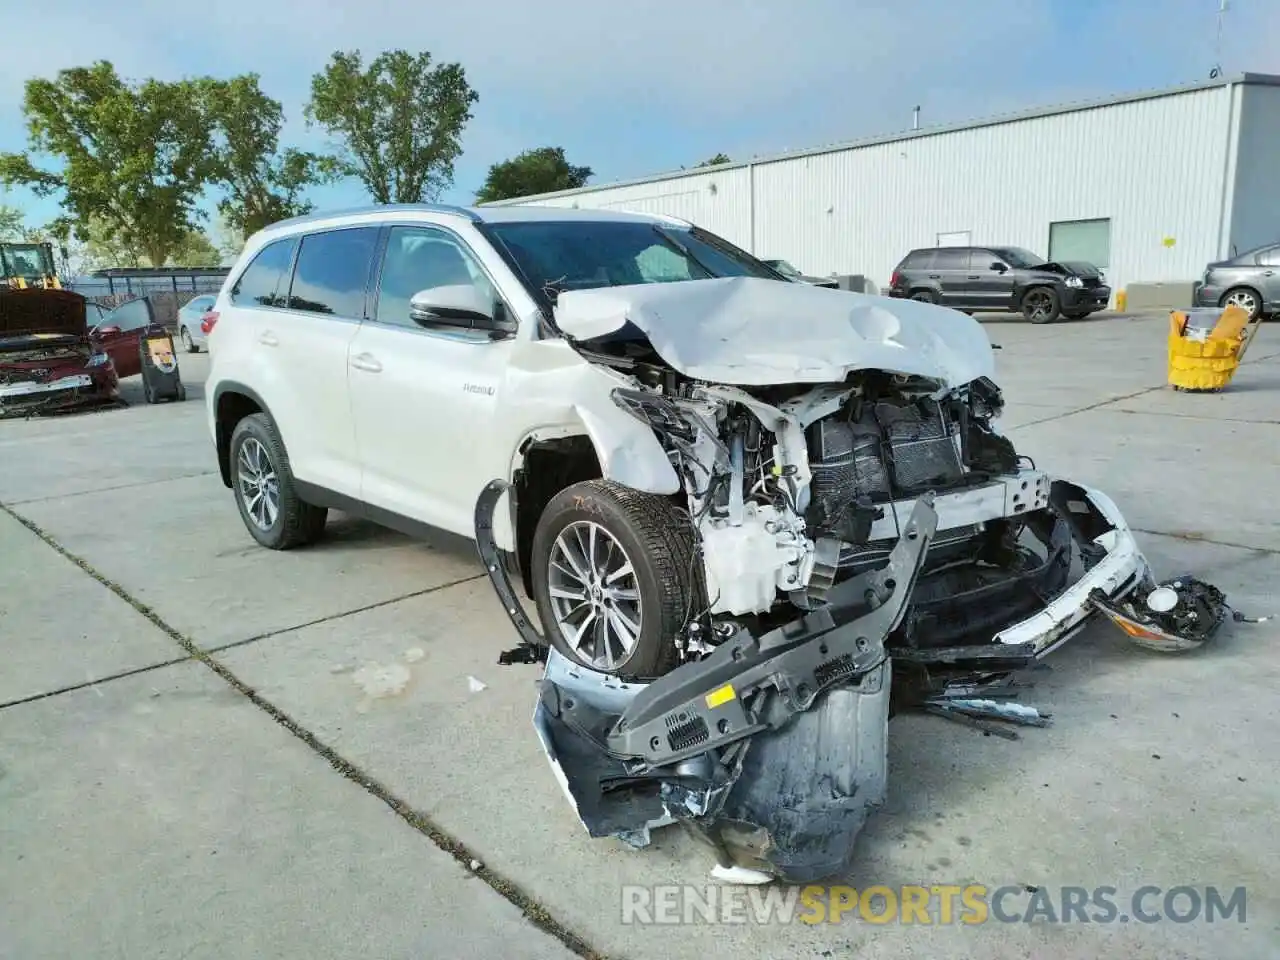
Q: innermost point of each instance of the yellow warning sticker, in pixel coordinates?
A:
(721, 695)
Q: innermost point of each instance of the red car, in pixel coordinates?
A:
(51, 360)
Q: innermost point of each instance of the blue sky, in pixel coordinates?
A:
(656, 84)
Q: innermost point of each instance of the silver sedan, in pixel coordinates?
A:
(189, 332)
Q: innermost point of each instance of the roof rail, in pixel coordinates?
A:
(447, 208)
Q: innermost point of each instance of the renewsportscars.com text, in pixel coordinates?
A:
(936, 904)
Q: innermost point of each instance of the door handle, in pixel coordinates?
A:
(366, 362)
(268, 339)
(934, 276)
(1269, 273)
(974, 277)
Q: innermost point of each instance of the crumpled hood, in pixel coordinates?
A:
(754, 332)
(39, 311)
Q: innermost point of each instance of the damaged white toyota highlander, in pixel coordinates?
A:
(750, 512)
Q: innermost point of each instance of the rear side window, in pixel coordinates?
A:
(917, 260)
(265, 281)
(333, 272)
(951, 258)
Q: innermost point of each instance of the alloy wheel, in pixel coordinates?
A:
(257, 484)
(1039, 306)
(595, 596)
(1243, 299)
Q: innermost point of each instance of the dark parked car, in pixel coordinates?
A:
(1250, 280)
(993, 279)
(791, 273)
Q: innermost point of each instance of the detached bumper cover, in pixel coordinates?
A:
(773, 750)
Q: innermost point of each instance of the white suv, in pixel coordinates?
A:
(692, 441)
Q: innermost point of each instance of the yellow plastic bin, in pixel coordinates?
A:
(1205, 355)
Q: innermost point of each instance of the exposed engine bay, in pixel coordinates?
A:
(47, 361)
(792, 491)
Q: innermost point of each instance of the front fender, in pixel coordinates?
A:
(628, 451)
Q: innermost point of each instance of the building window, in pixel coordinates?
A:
(1087, 240)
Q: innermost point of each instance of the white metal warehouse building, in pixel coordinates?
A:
(1149, 186)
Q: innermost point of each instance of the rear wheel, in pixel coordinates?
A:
(613, 577)
(924, 296)
(1040, 305)
(187, 343)
(1244, 298)
(265, 492)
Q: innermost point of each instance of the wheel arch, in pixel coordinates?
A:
(606, 445)
(232, 402)
(1249, 288)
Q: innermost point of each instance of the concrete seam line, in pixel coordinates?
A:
(1265, 551)
(345, 613)
(123, 486)
(537, 914)
(93, 683)
(1092, 406)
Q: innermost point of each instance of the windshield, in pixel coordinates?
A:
(1018, 257)
(555, 256)
(26, 260)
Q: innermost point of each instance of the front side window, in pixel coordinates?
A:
(1270, 258)
(555, 256)
(420, 259)
(333, 271)
(265, 281)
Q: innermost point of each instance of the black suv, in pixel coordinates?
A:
(988, 279)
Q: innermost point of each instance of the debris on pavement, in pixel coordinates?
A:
(475, 686)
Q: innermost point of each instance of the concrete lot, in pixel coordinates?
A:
(199, 756)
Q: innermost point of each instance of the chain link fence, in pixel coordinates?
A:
(168, 293)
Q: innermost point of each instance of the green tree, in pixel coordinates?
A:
(196, 250)
(715, 161)
(134, 155)
(12, 223)
(263, 183)
(397, 124)
(541, 170)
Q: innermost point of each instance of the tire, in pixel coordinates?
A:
(256, 447)
(655, 539)
(148, 394)
(924, 296)
(187, 342)
(1245, 297)
(182, 391)
(1041, 305)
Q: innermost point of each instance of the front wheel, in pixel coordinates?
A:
(614, 577)
(268, 500)
(1041, 305)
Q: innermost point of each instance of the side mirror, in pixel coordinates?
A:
(999, 267)
(459, 305)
